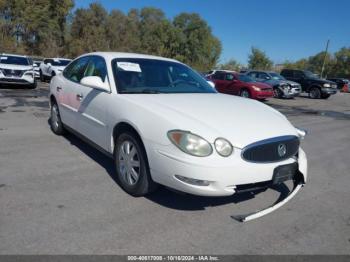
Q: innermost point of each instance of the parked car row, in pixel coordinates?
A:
(22, 70)
(261, 85)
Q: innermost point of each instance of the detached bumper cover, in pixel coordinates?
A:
(298, 183)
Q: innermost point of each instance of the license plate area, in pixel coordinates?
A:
(284, 173)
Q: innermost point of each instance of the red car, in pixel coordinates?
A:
(233, 83)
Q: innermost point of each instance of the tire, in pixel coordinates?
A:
(55, 120)
(325, 96)
(132, 167)
(42, 77)
(315, 93)
(277, 93)
(52, 75)
(245, 93)
(33, 86)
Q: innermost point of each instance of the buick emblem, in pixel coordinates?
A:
(282, 150)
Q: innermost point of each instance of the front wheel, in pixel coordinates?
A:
(55, 120)
(245, 93)
(315, 93)
(277, 93)
(132, 168)
(33, 86)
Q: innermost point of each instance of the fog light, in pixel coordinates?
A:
(193, 181)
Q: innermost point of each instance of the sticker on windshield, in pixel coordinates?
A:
(3, 58)
(127, 66)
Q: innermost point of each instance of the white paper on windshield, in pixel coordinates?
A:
(3, 58)
(127, 66)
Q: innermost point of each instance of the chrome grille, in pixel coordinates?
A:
(11, 72)
(271, 150)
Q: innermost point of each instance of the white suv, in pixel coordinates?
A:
(51, 67)
(17, 70)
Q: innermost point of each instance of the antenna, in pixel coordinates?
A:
(324, 59)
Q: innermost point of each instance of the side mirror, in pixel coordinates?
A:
(95, 82)
(211, 83)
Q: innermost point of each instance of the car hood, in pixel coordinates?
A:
(58, 67)
(320, 81)
(275, 82)
(240, 120)
(16, 67)
(259, 84)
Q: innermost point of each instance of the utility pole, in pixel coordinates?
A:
(324, 59)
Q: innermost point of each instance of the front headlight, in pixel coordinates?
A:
(190, 143)
(223, 147)
(326, 85)
(256, 88)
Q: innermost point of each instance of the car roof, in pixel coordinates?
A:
(57, 58)
(112, 55)
(7, 54)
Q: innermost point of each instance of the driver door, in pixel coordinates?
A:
(92, 104)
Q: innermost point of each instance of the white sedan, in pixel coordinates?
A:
(162, 123)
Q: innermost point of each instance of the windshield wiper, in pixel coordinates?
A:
(150, 91)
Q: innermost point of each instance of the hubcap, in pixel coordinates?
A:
(245, 93)
(129, 162)
(54, 116)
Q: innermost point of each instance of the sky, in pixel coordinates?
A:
(284, 29)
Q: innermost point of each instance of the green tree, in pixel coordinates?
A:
(197, 46)
(232, 64)
(259, 60)
(88, 30)
(341, 65)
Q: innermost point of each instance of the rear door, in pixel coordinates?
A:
(69, 102)
(299, 77)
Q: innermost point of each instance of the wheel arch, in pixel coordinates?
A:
(52, 99)
(122, 127)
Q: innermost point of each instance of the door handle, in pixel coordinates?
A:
(58, 88)
(80, 97)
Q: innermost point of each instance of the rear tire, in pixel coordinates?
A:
(132, 167)
(33, 86)
(315, 93)
(42, 77)
(55, 120)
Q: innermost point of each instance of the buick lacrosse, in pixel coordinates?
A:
(163, 123)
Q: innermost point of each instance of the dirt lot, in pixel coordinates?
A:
(58, 195)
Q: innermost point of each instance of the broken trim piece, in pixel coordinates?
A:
(297, 186)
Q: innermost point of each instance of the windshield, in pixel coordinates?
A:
(14, 60)
(245, 78)
(152, 76)
(309, 74)
(60, 62)
(277, 76)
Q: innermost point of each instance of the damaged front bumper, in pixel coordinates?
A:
(298, 183)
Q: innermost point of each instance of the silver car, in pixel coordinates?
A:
(282, 87)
